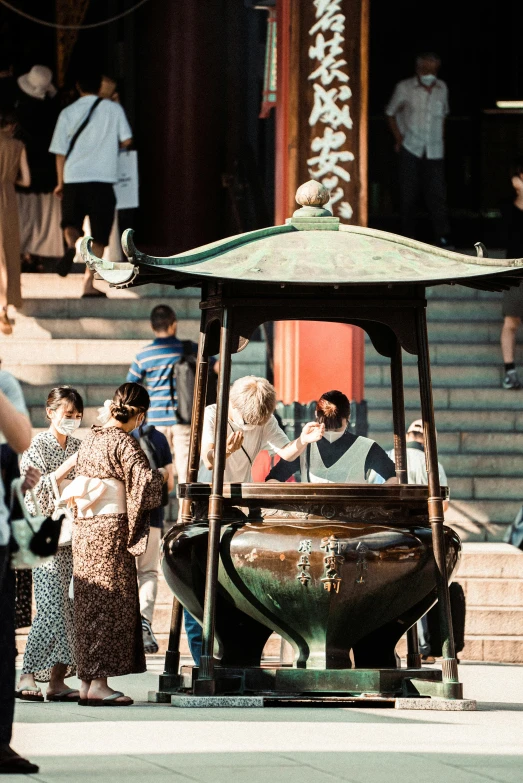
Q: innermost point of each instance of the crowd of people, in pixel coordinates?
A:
(57, 168)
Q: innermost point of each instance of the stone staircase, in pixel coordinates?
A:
(89, 343)
(480, 425)
(492, 578)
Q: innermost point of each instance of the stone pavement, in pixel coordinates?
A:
(160, 744)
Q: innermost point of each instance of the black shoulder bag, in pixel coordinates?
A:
(83, 126)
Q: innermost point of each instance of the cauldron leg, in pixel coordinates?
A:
(206, 684)
(435, 502)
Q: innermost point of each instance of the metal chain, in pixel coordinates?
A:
(72, 26)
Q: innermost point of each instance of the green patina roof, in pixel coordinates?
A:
(311, 251)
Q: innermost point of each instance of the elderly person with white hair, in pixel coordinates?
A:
(252, 427)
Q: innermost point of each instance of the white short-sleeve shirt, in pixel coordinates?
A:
(420, 114)
(269, 436)
(95, 154)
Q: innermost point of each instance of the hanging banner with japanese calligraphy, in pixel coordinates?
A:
(332, 102)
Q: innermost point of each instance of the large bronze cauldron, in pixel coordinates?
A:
(330, 578)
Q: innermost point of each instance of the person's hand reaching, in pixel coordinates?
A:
(312, 432)
(31, 478)
(234, 442)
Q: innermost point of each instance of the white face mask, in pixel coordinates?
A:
(428, 79)
(67, 426)
(238, 420)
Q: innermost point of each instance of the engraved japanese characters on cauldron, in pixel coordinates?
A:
(304, 563)
(331, 579)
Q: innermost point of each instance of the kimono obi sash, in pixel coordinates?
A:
(94, 496)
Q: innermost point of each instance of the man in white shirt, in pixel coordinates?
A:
(86, 142)
(416, 116)
(252, 428)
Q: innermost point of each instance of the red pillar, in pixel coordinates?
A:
(314, 357)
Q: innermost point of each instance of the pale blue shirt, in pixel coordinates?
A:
(95, 154)
(420, 115)
(12, 390)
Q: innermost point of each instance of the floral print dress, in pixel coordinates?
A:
(106, 607)
(51, 639)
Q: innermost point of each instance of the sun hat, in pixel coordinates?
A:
(38, 82)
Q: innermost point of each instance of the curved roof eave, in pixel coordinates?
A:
(311, 251)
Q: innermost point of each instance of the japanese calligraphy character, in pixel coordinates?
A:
(330, 156)
(323, 48)
(305, 546)
(329, 16)
(345, 210)
(329, 69)
(326, 109)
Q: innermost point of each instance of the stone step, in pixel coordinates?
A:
(455, 420)
(446, 353)
(92, 352)
(498, 649)
(35, 328)
(467, 310)
(443, 376)
(459, 292)
(464, 332)
(481, 520)
(494, 621)
(464, 443)
(51, 286)
(110, 308)
(490, 561)
(492, 592)
(463, 399)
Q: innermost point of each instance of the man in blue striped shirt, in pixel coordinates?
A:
(153, 367)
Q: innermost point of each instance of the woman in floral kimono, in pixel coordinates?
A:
(49, 654)
(112, 493)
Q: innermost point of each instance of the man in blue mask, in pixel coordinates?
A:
(416, 116)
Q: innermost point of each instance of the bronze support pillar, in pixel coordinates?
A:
(206, 684)
(400, 458)
(398, 414)
(435, 502)
(200, 394)
(172, 656)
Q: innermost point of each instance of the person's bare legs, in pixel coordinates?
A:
(98, 689)
(57, 681)
(27, 681)
(508, 338)
(508, 350)
(89, 287)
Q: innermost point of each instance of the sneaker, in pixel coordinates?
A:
(511, 380)
(65, 264)
(149, 639)
(428, 659)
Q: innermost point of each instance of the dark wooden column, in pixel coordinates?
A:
(181, 112)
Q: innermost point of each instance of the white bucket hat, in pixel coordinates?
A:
(38, 82)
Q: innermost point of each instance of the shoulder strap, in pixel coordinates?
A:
(82, 127)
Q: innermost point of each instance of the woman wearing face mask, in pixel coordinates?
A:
(339, 457)
(49, 654)
(112, 493)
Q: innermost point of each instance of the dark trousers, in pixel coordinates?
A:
(427, 177)
(7, 647)
(194, 636)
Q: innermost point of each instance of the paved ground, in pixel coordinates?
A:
(159, 743)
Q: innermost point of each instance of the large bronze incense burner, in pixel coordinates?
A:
(341, 571)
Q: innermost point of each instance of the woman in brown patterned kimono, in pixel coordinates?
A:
(112, 493)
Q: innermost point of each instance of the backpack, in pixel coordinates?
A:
(183, 373)
(152, 455)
